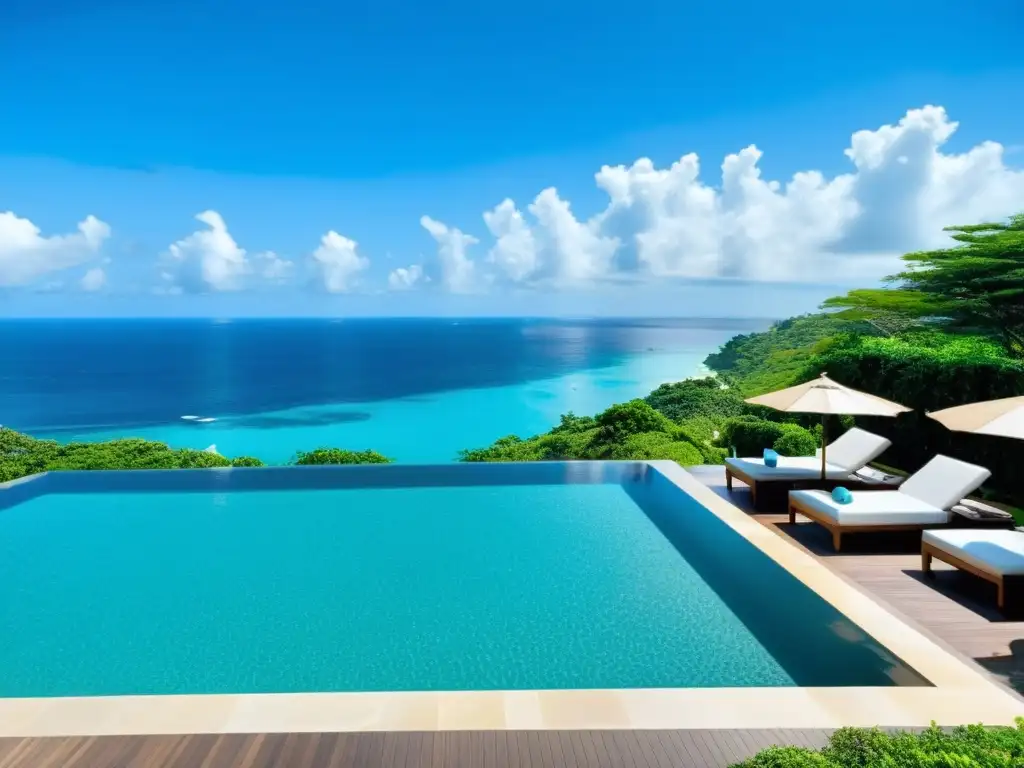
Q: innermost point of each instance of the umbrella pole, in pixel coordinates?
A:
(824, 441)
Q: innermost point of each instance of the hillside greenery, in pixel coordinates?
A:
(22, 455)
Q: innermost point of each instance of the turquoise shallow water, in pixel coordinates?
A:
(359, 579)
(428, 428)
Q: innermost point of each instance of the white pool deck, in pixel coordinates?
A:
(961, 692)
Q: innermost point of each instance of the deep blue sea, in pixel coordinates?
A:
(415, 389)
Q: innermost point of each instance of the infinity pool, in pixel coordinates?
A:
(465, 577)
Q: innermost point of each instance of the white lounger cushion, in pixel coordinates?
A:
(855, 448)
(851, 451)
(923, 499)
(788, 468)
(999, 552)
(943, 481)
(874, 508)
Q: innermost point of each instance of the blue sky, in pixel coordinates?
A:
(293, 124)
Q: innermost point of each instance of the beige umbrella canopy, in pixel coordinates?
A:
(1002, 418)
(824, 396)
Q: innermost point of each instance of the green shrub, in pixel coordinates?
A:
(707, 397)
(701, 432)
(656, 445)
(191, 459)
(339, 456)
(22, 455)
(971, 746)
(750, 435)
(631, 418)
(246, 461)
(795, 441)
(787, 757)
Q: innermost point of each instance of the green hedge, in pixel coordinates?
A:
(966, 747)
(928, 372)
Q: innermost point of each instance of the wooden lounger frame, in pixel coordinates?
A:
(798, 506)
(928, 551)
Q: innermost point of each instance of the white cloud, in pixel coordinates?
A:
(25, 255)
(515, 249)
(455, 270)
(207, 260)
(273, 268)
(93, 280)
(667, 223)
(404, 278)
(337, 263)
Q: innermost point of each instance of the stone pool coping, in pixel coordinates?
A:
(961, 693)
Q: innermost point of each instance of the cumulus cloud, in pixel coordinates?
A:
(273, 268)
(26, 255)
(93, 280)
(207, 260)
(337, 263)
(901, 191)
(404, 278)
(455, 271)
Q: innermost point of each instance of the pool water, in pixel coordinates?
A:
(264, 582)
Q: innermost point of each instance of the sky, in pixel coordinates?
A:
(726, 158)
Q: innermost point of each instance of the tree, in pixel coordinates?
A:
(975, 285)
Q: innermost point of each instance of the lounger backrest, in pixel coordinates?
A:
(943, 481)
(855, 449)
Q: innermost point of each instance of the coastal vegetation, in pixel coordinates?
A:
(963, 747)
(946, 332)
(22, 455)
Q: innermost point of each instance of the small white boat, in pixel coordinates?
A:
(190, 418)
(207, 420)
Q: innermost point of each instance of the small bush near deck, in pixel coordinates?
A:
(795, 441)
(750, 435)
(972, 746)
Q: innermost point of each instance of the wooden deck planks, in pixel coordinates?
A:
(957, 608)
(454, 749)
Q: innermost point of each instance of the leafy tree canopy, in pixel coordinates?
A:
(976, 285)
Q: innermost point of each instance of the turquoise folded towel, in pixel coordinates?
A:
(771, 458)
(842, 495)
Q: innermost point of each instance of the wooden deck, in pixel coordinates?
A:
(465, 749)
(955, 609)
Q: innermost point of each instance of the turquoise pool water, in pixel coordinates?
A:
(515, 577)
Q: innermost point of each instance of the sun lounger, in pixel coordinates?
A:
(924, 500)
(846, 455)
(996, 556)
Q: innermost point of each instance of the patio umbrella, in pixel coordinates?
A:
(1002, 418)
(824, 396)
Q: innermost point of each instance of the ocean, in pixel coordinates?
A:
(418, 390)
